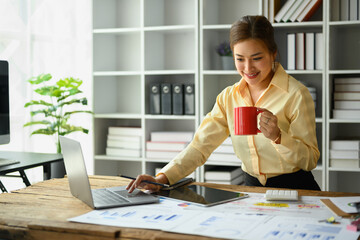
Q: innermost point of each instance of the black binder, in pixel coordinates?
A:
(155, 98)
(178, 99)
(189, 99)
(166, 98)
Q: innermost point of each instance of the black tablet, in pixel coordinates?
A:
(200, 195)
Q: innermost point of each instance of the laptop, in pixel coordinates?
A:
(80, 185)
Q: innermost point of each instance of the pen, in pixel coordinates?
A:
(356, 205)
(160, 184)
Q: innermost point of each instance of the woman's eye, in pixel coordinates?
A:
(258, 58)
(240, 59)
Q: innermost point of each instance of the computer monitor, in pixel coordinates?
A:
(4, 103)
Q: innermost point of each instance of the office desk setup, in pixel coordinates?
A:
(27, 160)
(42, 210)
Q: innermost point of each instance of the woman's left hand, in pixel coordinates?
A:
(269, 124)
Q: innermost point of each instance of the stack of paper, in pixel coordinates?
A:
(224, 175)
(347, 98)
(124, 141)
(166, 145)
(345, 153)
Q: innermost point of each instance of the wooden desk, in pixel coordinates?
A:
(28, 160)
(40, 212)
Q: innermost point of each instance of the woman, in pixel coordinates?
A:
(285, 151)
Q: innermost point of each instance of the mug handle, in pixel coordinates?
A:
(257, 113)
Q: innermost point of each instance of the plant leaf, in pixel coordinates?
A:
(43, 122)
(41, 102)
(79, 111)
(46, 131)
(40, 79)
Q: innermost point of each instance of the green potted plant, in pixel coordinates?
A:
(224, 51)
(54, 108)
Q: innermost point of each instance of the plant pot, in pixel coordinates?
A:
(227, 63)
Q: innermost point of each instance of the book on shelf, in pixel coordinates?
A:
(123, 144)
(353, 10)
(344, 154)
(170, 136)
(191, 175)
(121, 152)
(319, 51)
(335, 10)
(309, 11)
(343, 104)
(346, 114)
(309, 51)
(166, 146)
(223, 157)
(131, 131)
(354, 87)
(345, 144)
(236, 181)
(124, 138)
(346, 95)
(344, 10)
(274, 7)
(345, 163)
(348, 80)
(223, 173)
(265, 8)
(300, 51)
(291, 46)
(299, 10)
(291, 11)
(283, 10)
(161, 154)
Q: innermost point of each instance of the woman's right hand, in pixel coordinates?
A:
(139, 183)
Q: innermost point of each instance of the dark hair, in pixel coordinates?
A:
(255, 27)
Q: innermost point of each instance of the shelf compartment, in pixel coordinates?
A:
(170, 50)
(116, 13)
(101, 129)
(346, 57)
(227, 12)
(110, 96)
(344, 181)
(169, 12)
(211, 39)
(213, 85)
(117, 52)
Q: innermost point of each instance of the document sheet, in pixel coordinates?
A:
(249, 218)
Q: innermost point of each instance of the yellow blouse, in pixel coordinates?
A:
(286, 98)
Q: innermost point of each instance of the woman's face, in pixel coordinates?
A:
(254, 62)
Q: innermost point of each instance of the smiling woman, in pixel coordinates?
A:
(283, 154)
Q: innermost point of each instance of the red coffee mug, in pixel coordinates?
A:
(245, 120)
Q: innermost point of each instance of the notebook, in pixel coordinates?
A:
(80, 185)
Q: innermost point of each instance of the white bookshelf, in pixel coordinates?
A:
(139, 42)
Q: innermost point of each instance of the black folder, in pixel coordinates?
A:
(189, 99)
(178, 99)
(155, 98)
(166, 98)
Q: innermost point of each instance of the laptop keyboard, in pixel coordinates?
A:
(104, 197)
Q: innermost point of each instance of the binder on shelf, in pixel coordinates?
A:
(344, 154)
(291, 40)
(310, 51)
(166, 99)
(346, 95)
(345, 163)
(177, 99)
(155, 102)
(189, 99)
(300, 51)
(319, 51)
(131, 131)
(346, 114)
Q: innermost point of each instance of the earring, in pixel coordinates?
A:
(273, 66)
